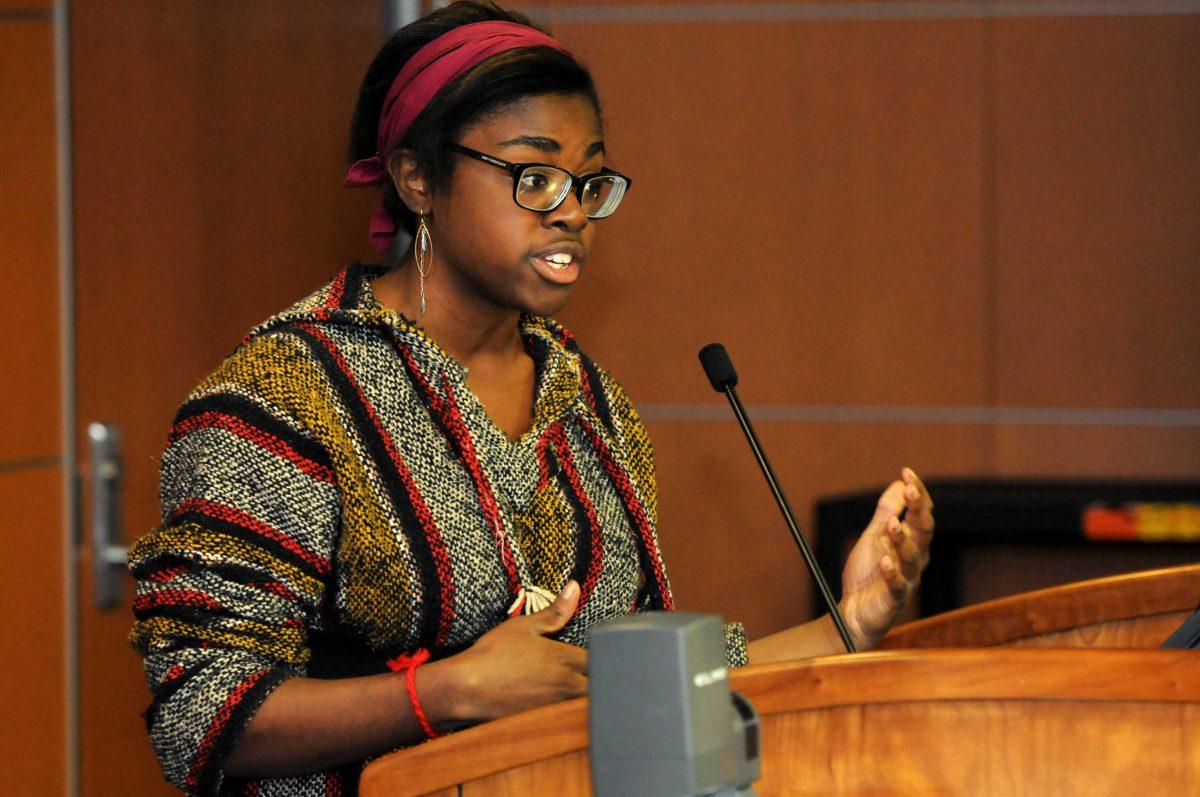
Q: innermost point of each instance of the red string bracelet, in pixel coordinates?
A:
(408, 665)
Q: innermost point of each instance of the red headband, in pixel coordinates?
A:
(427, 73)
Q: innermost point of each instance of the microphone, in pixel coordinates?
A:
(721, 375)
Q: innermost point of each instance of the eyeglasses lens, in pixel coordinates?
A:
(602, 194)
(542, 187)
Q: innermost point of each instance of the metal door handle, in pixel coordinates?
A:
(108, 556)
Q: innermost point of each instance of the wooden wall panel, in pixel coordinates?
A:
(995, 212)
(229, 182)
(27, 8)
(210, 144)
(28, 228)
(114, 695)
(814, 194)
(811, 194)
(32, 667)
(1098, 201)
(1099, 452)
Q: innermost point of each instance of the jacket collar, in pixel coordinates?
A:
(347, 300)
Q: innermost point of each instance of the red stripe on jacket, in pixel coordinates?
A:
(213, 419)
(237, 517)
(620, 480)
(213, 734)
(557, 435)
(175, 597)
(437, 545)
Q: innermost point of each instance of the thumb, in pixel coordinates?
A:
(559, 613)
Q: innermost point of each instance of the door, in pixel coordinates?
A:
(209, 145)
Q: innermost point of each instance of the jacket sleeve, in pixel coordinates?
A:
(639, 453)
(229, 582)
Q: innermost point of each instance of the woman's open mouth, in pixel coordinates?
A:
(560, 266)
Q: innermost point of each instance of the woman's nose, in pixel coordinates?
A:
(569, 215)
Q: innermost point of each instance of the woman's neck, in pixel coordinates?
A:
(466, 325)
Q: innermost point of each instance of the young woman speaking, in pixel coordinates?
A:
(400, 504)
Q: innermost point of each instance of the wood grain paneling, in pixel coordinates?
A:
(933, 212)
(19, 7)
(1131, 610)
(960, 749)
(228, 186)
(114, 695)
(727, 549)
(571, 774)
(210, 145)
(32, 668)
(811, 194)
(996, 747)
(936, 722)
(1098, 196)
(28, 243)
(1099, 451)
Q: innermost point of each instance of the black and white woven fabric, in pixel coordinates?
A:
(334, 494)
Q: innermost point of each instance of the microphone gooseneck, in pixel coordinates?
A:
(721, 375)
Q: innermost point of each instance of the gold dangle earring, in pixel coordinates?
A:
(423, 254)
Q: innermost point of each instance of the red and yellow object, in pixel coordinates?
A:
(1143, 522)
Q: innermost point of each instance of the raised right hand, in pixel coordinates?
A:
(514, 667)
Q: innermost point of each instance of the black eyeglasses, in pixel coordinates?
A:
(541, 187)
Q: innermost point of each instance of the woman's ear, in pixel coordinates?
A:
(410, 183)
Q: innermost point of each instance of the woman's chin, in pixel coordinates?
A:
(546, 302)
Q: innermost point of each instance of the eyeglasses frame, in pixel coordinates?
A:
(576, 185)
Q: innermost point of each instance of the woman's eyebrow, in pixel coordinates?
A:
(537, 142)
(548, 144)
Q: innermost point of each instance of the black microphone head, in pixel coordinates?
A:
(718, 367)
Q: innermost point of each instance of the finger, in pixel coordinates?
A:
(558, 613)
(583, 661)
(918, 501)
(897, 584)
(909, 476)
(574, 658)
(905, 548)
(891, 503)
(576, 686)
(911, 479)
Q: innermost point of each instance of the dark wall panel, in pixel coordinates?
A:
(1098, 198)
(227, 183)
(33, 667)
(812, 194)
(210, 144)
(33, 753)
(28, 243)
(900, 213)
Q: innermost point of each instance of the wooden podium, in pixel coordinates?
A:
(1136, 610)
(970, 721)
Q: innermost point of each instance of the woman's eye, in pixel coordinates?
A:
(534, 181)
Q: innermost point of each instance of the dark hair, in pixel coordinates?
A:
(494, 84)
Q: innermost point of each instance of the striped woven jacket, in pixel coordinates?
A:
(334, 494)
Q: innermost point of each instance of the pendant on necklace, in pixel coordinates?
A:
(530, 600)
